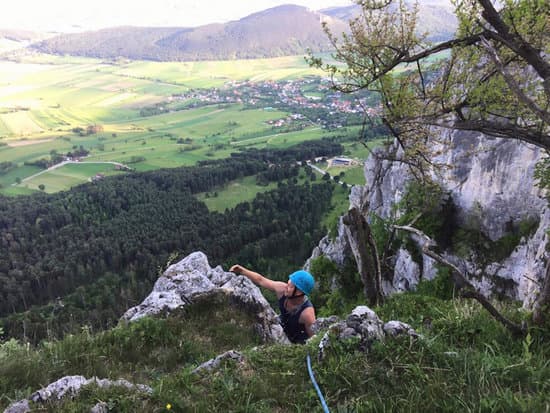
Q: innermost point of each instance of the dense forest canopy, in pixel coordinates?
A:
(99, 246)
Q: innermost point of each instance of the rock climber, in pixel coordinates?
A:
(297, 312)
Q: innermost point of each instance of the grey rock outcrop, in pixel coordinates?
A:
(22, 406)
(364, 325)
(70, 386)
(323, 323)
(396, 328)
(492, 182)
(406, 274)
(192, 278)
(100, 407)
(214, 363)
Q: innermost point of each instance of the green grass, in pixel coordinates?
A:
(339, 206)
(238, 191)
(465, 361)
(234, 193)
(7, 179)
(353, 175)
(67, 176)
(216, 73)
(211, 129)
(17, 190)
(140, 352)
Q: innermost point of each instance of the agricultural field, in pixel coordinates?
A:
(209, 74)
(241, 190)
(69, 175)
(140, 114)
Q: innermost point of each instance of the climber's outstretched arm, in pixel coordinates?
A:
(276, 286)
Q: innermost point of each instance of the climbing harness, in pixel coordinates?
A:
(317, 389)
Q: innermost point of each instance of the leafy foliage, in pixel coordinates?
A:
(496, 80)
(470, 241)
(430, 208)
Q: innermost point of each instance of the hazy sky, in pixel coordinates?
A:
(63, 15)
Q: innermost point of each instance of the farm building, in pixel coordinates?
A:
(341, 162)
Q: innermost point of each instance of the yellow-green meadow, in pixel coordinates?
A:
(142, 114)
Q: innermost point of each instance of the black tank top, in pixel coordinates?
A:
(294, 330)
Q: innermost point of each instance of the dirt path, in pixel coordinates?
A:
(27, 142)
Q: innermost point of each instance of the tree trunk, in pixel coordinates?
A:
(368, 262)
(542, 305)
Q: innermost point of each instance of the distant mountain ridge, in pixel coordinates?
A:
(12, 39)
(434, 17)
(279, 31)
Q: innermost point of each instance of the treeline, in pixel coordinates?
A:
(301, 152)
(5, 167)
(55, 157)
(99, 246)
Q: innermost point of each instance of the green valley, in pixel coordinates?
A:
(150, 115)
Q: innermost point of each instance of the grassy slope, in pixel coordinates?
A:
(464, 362)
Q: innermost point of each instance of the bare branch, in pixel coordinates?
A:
(422, 81)
(514, 87)
(461, 280)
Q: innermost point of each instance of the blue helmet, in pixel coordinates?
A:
(303, 280)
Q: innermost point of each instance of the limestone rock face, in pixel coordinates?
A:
(406, 274)
(494, 178)
(492, 182)
(525, 267)
(336, 249)
(193, 278)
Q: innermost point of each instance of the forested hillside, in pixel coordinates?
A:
(280, 31)
(97, 248)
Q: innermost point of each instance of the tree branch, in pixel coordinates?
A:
(461, 281)
(516, 43)
(512, 84)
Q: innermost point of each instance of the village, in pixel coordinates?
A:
(311, 100)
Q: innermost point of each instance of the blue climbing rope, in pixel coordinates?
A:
(323, 402)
